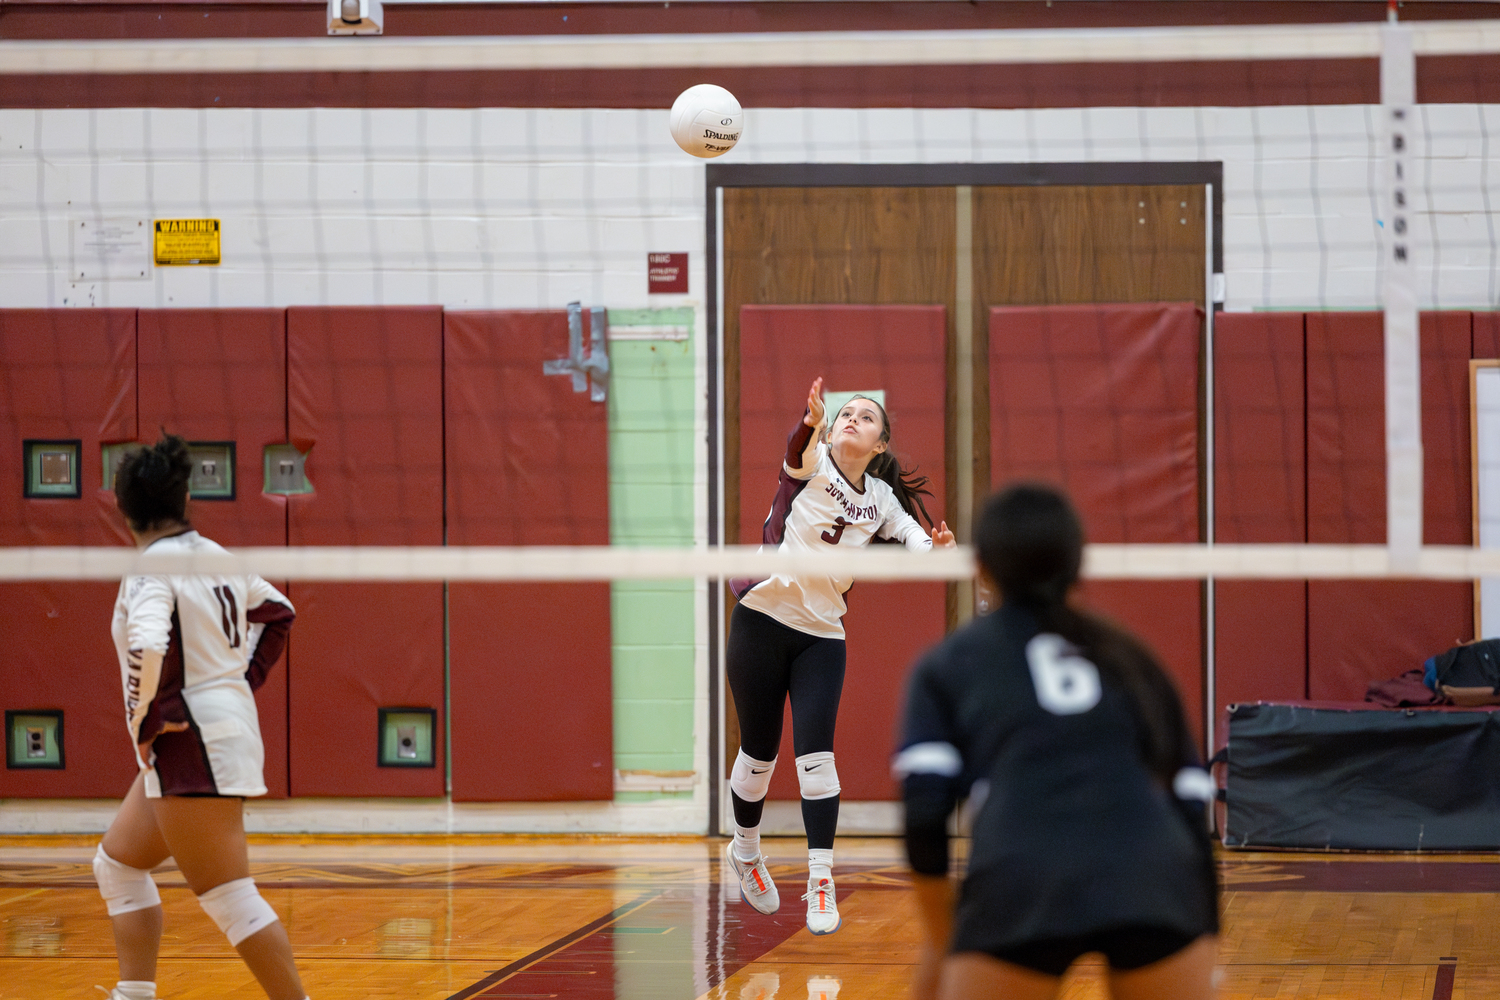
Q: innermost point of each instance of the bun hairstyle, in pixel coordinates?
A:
(909, 487)
(1030, 539)
(151, 485)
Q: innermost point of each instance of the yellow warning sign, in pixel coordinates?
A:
(187, 241)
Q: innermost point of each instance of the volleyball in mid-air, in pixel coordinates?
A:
(706, 120)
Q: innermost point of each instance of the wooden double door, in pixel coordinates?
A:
(990, 317)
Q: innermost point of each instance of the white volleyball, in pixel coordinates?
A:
(706, 120)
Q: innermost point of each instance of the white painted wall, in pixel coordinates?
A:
(524, 208)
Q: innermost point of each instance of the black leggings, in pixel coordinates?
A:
(766, 662)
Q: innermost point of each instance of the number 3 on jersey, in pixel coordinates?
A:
(1066, 683)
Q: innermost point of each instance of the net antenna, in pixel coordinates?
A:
(1403, 357)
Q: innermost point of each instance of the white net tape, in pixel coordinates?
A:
(540, 563)
(834, 48)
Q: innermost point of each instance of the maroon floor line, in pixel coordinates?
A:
(1442, 986)
(548, 950)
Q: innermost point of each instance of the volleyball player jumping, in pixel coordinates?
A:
(1088, 800)
(192, 649)
(786, 636)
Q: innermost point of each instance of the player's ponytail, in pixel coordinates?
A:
(1031, 541)
(151, 484)
(909, 487)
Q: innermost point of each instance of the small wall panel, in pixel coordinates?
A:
(530, 664)
(365, 395)
(1103, 401)
(1260, 469)
(65, 375)
(899, 349)
(1360, 632)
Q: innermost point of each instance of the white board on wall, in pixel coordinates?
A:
(1486, 405)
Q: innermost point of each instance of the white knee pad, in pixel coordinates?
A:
(750, 777)
(124, 888)
(817, 776)
(238, 909)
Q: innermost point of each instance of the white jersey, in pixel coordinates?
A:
(814, 508)
(188, 650)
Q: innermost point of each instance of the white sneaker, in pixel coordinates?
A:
(756, 886)
(822, 907)
(823, 988)
(761, 986)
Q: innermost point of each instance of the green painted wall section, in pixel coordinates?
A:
(651, 449)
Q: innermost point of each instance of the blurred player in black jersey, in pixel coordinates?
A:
(839, 485)
(1088, 800)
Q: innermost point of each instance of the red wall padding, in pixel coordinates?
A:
(1260, 489)
(1103, 400)
(365, 394)
(1486, 340)
(65, 375)
(900, 349)
(529, 664)
(220, 375)
(1364, 631)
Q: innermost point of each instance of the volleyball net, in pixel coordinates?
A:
(458, 309)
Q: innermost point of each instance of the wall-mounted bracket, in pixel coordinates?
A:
(285, 471)
(589, 371)
(213, 470)
(406, 737)
(34, 739)
(52, 469)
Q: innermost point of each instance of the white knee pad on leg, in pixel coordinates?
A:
(238, 909)
(817, 776)
(124, 888)
(750, 777)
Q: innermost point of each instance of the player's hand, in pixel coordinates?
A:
(166, 727)
(816, 413)
(942, 538)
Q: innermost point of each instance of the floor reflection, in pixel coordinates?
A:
(472, 918)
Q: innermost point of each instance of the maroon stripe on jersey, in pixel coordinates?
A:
(277, 619)
(182, 764)
(787, 490)
(167, 705)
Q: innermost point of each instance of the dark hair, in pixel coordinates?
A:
(151, 484)
(909, 487)
(1030, 540)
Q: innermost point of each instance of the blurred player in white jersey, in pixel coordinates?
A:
(839, 485)
(192, 650)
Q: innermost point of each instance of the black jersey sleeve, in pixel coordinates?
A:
(929, 766)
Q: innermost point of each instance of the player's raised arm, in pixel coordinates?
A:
(802, 446)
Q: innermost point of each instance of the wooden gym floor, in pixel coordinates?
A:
(650, 919)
